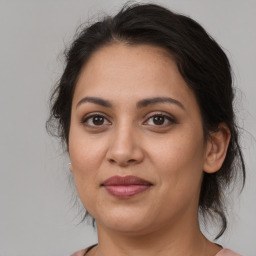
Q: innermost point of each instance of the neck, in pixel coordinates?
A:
(178, 240)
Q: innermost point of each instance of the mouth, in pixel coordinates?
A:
(125, 186)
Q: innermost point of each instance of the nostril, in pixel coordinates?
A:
(131, 161)
(112, 161)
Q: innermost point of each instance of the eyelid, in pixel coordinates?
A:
(91, 115)
(168, 116)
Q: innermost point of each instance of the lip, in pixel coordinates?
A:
(125, 186)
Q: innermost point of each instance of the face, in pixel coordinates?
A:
(136, 141)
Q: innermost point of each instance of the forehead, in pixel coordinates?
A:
(128, 56)
(138, 71)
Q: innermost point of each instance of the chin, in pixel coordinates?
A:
(127, 223)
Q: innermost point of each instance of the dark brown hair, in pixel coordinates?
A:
(201, 62)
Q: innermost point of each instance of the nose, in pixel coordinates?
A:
(125, 148)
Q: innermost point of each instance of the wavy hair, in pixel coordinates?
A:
(201, 62)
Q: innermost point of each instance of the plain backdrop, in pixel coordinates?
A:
(38, 214)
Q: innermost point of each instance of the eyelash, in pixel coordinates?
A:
(168, 118)
(85, 119)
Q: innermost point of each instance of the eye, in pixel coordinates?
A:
(160, 119)
(95, 120)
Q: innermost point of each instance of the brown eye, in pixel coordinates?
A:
(98, 120)
(158, 120)
(95, 121)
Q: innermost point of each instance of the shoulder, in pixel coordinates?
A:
(84, 251)
(227, 252)
(79, 253)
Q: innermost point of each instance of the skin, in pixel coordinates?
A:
(128, 140)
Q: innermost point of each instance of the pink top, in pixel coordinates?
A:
(223, 252)
(79, 253)
(227, 252)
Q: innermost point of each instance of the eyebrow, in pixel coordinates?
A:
(95, 100)
(155, 100)
(140, 104)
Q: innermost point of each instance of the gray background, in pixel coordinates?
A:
(36, 198)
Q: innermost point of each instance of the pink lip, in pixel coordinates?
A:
(125, 187)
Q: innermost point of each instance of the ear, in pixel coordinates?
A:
(216, 148)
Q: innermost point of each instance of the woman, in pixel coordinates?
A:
(144, 107)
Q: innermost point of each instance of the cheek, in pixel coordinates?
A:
(85, 155)
(179, 160)
(84, 169)
(177, 150)
(85, 150)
